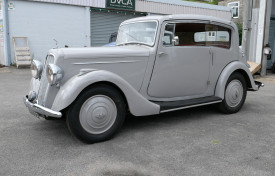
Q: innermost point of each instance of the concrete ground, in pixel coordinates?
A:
(198, 141)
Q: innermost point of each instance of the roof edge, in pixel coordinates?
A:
(191, 4)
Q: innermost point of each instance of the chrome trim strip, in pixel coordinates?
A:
(191, 106)
(85, 71)
(110, 62)
(39, 110)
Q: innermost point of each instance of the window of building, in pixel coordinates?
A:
(235, 8)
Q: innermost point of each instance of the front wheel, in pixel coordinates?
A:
(234, 95)
(97, 114)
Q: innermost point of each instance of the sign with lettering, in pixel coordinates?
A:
(11, 6)
(121, 4)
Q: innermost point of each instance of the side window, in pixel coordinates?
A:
(196, 34)
(218, 36)
(168, 35)
(186, 33)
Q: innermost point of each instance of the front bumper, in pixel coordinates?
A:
(39, 110)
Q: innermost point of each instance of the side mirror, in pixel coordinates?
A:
(175, 41)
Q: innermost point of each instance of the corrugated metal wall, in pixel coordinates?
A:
(156, 7)
(104, 23)
(166, 8)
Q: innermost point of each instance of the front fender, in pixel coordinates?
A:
(227, 71)
(138, 105)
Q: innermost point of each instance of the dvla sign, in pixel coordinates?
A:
(121, 4)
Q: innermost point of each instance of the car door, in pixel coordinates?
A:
(181, 67)
(224, 49)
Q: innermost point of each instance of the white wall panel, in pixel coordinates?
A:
(43, 22)
(88, 3)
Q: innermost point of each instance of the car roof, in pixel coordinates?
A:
(181, 17)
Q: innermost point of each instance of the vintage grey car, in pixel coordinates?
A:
(159, 64)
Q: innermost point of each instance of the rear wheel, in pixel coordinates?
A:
(234, 94)
(97, 114)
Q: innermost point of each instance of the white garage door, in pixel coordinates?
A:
(43, 23)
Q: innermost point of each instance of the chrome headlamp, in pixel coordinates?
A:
(54, 74)
(36, 69)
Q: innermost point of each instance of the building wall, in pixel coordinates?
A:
(159, 7)
(182, 7)
(2, 58)
(44, 22)
(241, 6)
(273, 8)
(87, 3)
(272, 36)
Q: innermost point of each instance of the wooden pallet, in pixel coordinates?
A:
(254, 67)
(22, 53)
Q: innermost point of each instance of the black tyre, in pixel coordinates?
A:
(234, 94)
(97, 114)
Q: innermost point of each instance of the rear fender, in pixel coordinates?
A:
(227, 71)
(138, 105)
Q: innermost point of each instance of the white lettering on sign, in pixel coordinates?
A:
(130, 2)
(124, 2)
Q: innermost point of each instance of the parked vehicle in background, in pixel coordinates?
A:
(112, 40)
(111, 44)
(159, 64)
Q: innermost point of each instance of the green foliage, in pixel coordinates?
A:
(214, 2)
(240, 29)
(13, 64)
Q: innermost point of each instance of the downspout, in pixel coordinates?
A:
(6, 34)
(246, 27)
(266, 34)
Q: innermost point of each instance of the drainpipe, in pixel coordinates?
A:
(246, 27)
(6, 33)
(266, 35)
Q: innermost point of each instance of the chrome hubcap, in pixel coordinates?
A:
(98, 114)
(234, 93)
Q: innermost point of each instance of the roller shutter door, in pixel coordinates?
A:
(104, 23)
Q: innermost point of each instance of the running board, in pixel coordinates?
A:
(184, 104)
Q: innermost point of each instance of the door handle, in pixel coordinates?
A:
(211, 56)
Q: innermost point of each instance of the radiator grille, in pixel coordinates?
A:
(44, 84)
